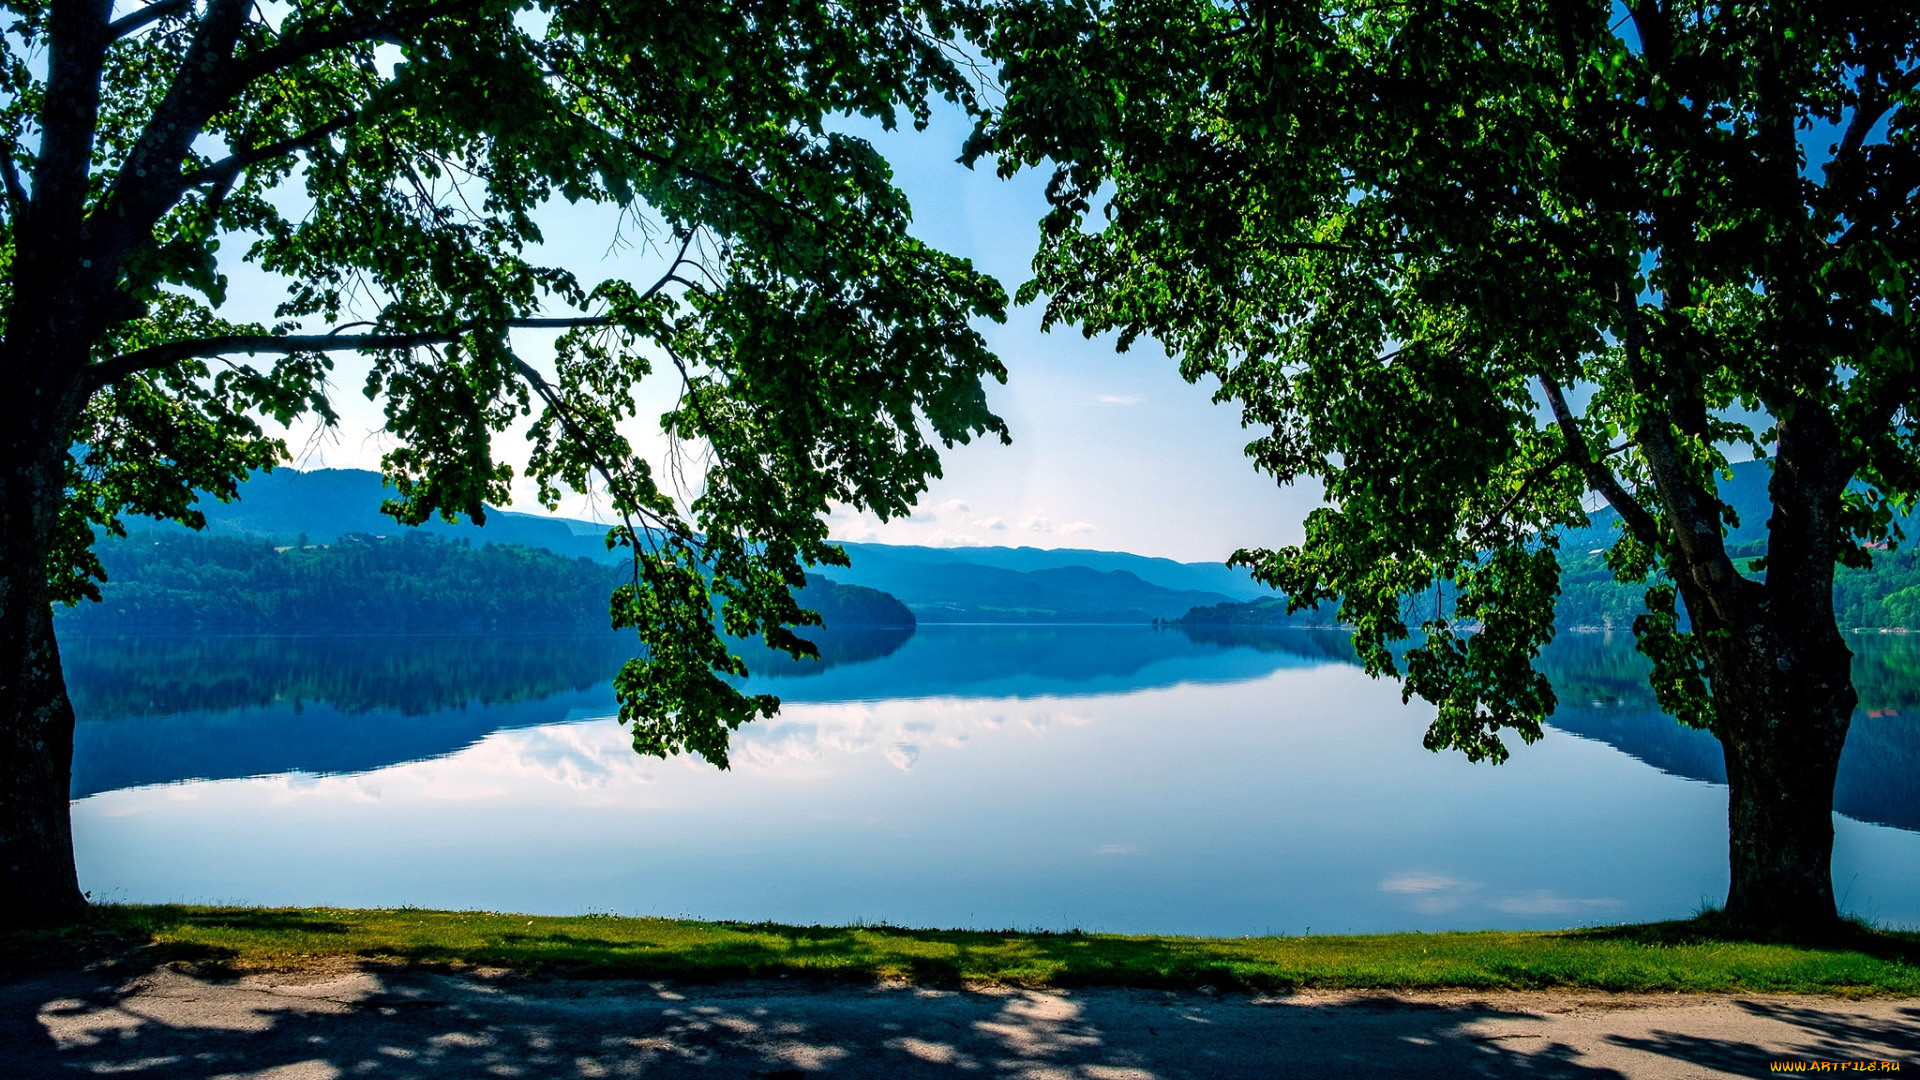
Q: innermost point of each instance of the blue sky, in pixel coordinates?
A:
(1111, 451)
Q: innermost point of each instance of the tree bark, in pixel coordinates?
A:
(37, 875)
(1780, 819)
(1784, 696)
(1782, 738)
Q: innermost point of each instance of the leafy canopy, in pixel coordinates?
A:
(1471, 265)
(388, 160)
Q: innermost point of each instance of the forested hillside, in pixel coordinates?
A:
(369, 584)
(1885, 596)
(964, 584)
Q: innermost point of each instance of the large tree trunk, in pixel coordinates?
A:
(37, 876)
(1782, 748)
(1784, 697)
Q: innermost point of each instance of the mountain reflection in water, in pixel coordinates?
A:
(166, 709)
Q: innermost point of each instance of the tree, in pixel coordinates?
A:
(1477, 268)
(387, 160)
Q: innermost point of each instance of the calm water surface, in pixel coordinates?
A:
(1105, 778)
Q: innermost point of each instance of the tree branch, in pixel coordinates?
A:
(109, 371)
(16, 191)
(1540, 472)
(1598, 476)
(142, 190)
(1699, 548)
(558, 404)
(1870, 110)
(148, 15)
(69, 119)
(230, 167)
(292, 50)
(208, 79)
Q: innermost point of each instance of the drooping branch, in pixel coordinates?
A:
(109, 371)
(627, 507)
(1483, 536)
(1600, 478)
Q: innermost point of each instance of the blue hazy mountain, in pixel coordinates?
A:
(894, 562)
(1885, 595)
(1745, 491)
(969, 592)
(326, 504)
(984, 584)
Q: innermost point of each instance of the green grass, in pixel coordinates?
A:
(1698, 955)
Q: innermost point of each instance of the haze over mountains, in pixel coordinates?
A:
(1034, 585)
(1745, 491)
(938, 584)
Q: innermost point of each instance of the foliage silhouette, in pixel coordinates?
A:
(388, 165)
(1476, 268)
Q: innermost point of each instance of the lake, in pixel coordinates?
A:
(1104, 778)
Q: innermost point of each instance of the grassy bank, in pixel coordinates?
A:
(1692, 956)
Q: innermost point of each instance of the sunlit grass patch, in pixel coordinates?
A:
(1697, 955)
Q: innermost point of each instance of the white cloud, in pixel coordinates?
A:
(1037, 524)
(954, 506)
(992, 523)
(1072, 527)
(1422, 883)
(902, 756)
(1118, 399)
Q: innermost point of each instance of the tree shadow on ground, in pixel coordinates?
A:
(1822, 1035)
(407, 1024)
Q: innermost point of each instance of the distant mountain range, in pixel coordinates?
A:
(1885, 596)
(1745, 491)
(972, 584)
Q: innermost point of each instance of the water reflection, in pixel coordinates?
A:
(157, 709)
(1105, 777)
(1602, 685)
(220, 707)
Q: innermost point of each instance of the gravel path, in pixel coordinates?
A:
(395, 1025)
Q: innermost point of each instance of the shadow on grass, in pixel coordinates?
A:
(407, 1021)
(1714, 928)
(1850, 959)
(932, 958)
(112, 938)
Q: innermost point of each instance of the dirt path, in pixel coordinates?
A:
(389, 1026)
